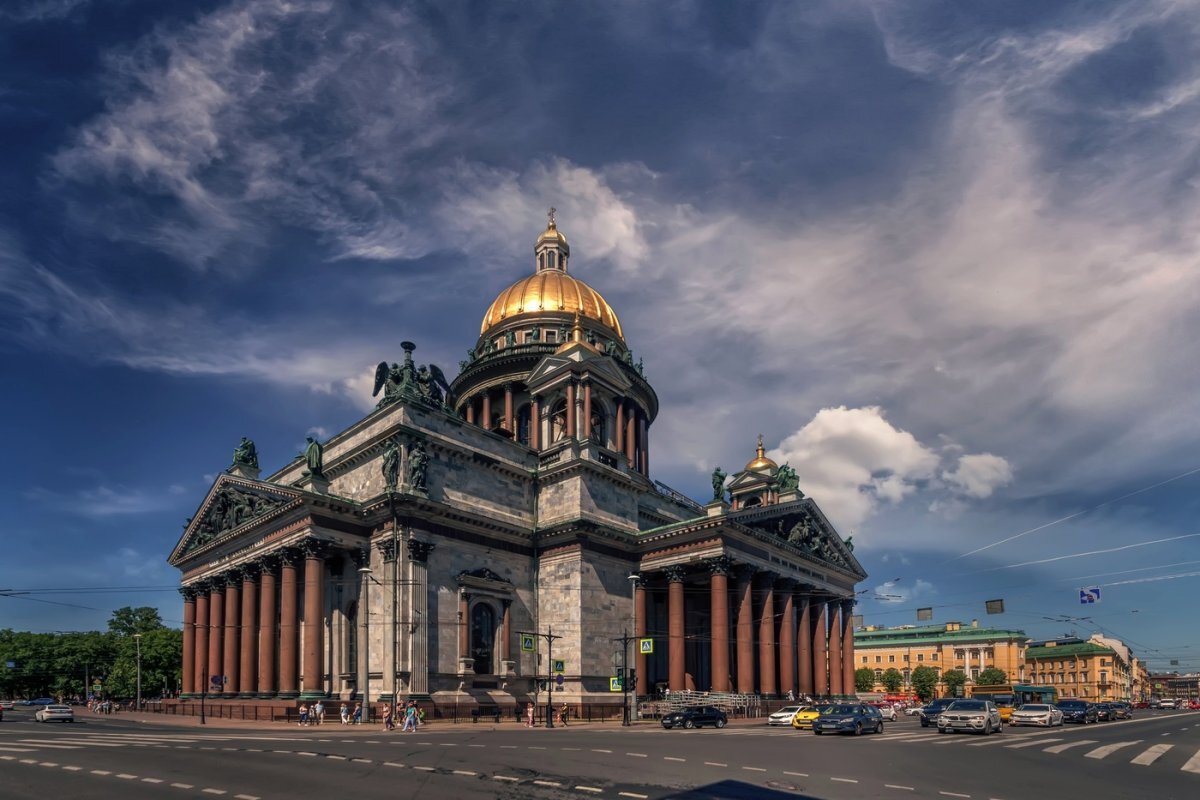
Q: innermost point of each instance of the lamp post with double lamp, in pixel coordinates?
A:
(137, 637)
(365, 573)
(627, 715)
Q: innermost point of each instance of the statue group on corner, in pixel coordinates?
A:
(426, 384)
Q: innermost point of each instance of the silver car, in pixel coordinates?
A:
(54, 712)
(978, 716)
(1041, 714)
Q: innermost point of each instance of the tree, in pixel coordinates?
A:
(864, 679)
(924, 682)
(954, 679)
(992, 676)
(892, 680)
(128, 620)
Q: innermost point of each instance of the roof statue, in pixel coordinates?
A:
(405, 381)
(245, 454)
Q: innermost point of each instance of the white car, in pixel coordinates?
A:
(7, 705)
(1041, 714)
(978, 716)
(912, 711)
(1166, 704)
(887, 711)
(783, 716)
(55, 712)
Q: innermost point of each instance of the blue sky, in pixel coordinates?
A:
(942, 255)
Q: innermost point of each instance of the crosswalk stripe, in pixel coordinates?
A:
(1193, 764)
(1109, 749)
(1151, 754)
(1058, 748)
(39, 745)
(17, 749)
(68, 744)
(1034, 743)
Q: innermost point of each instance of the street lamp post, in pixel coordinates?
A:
(137, 637)
(628, 713)
(365, 572)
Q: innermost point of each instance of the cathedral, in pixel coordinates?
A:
(470, 541)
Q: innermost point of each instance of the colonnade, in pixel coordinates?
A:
(803, 637)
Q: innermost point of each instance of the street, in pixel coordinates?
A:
(141, 756)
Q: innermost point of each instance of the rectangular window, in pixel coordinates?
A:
(878, 659)
(906, 657)
(933, 657)
(920, 656)
(891, 659)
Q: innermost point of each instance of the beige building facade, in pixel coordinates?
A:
(942, 648)
(1097, 669)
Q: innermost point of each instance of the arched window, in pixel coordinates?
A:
(558, 421)
(483, 637)
(352, 639)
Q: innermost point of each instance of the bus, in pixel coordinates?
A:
(1009, 696)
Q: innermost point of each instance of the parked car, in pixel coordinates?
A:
(886, 710)
(929, 713)
(54, 712)
(42, 701)
(783, 716)
(980, 716)
(849, 718)
(7, 705)
(1166, 703)
(803, 721)
(1041, 714)
(1121, 710)
(1080, 711)
(1104, 712)
(913, 711)
(695, 717)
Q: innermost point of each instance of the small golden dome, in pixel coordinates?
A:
(552, 234)
(551, 291)
(760, 462)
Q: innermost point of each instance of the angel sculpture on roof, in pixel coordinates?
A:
(426, 384)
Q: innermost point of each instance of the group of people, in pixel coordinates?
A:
(413, 716)
(560, 715)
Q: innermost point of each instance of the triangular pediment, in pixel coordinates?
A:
(231, 506)
(802, 525)
(574, 359)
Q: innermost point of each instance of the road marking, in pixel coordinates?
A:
(7, 758)
(1108, 750)
(362, 760)
(449, 744)
(715, 764)
(536, 747)
(793, 774)
(1034, 743)
(477, 745)
(101, 772)
(895, 786)
(233, 749)
(547, 783)
(34, 761)
(336, 758)
(151, 780)
(673, 758)
(392, 764)
(1193, 764)
(954, 794)
(43, 744)
(592, 789)
(1151, 754)
(1168, 733)
(182, 786)
(844, 780)
(72, 769)
(304, 753)
(506, 778)
(634, 795)
(214, 791)
(464, 772)
(48, 764)
(126, 776)
(246, 797)
(426, 769)
(508, 747)
(561, 748)
(1058, 748)
(596, 750)
(754, 769)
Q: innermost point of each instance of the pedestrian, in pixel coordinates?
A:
(387, 716)
(303, 715)
(562, 715)
(358, 713)
(318, 712)
(344, 711)
(410, 717)
(529, 715)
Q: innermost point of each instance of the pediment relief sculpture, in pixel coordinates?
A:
(228, 509)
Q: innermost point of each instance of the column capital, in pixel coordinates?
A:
(785, 584)
(848, 604)
(250, 571)
(721, 565)
(267, 563)
(288, 556)
(675, 573)
(419, 550)
(189, 593)
(314, 548)
(387, 548)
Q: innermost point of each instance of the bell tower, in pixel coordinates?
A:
(551, 249)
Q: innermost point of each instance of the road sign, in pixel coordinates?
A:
(645, 646)
(560, 665)
(615, 684)
(558, 679)
(1090, 596)
(528, 643)
(218, 680)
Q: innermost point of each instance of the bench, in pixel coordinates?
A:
(493, 711)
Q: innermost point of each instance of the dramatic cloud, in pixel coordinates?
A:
(892, 592)
(979, 475)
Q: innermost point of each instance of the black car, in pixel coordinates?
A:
(929, 713)
(1105, 712)
(695, 717)
(1080, 711)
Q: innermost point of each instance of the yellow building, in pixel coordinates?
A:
(945, 647)
(1079, 668)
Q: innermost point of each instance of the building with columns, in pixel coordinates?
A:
(413, 554)
(945, 647)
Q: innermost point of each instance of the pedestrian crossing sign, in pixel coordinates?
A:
(560, 665)
(616, 684)
(528, 645)
(645, 646)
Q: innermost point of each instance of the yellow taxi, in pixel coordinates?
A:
(803, 721)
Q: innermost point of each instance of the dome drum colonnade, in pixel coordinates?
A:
(764, 634)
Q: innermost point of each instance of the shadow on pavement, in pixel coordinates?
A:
(740, 790)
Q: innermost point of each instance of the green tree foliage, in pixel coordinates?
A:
(953, 679)
(924, 682)
(992, 676)
(59, 664)
(864, 679)
(892, 679)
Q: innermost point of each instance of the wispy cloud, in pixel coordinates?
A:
(105, 501)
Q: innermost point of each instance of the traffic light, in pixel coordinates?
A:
(632, 679)
(620, 673)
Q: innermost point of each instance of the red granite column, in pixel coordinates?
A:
(535, 422)
(267, 629)
(745, 632)
(464, 606)
(486, 422)
(787, 641)
(289, 625)
(835, 650)
(216, 629)
(631, 436)
(766, 639)
(639, 630)
(201, 656)
(246, 670)
(189, 640)
(471, 410)
(804, 648)
(820, 650)
(719, 598)
(587, 411)
(572, 419)
(509, 424)
(233, 611)
(848, 646)
(644, 449)
(620, 437)
(312, 671)
(676, 652)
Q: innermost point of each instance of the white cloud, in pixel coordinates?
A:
(105, 501)
(980, 474)
(897, 592)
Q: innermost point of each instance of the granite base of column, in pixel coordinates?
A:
(313, 695)
(270, 696)
(287, 695)
(247, 695)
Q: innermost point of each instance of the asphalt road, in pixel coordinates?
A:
(1154, 755)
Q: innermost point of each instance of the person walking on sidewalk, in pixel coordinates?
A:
(386, 713)
(358, 713)
(319, 712)
(303, 715)
(410, 717)
(529, 715)
(345, 714)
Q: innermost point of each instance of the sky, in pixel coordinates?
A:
(941, 255)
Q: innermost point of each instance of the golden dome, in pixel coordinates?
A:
(760, 461)
(552, 234)
(551, 291)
